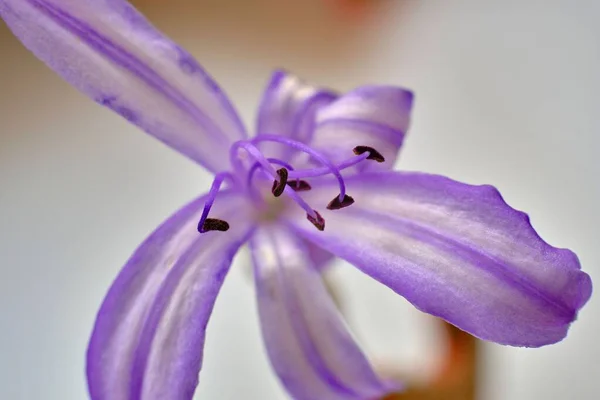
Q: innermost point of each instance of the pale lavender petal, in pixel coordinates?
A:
(146, 337)
(375, 116)
(308, 343)
(455, 251)
(109, 51)
(288, 108)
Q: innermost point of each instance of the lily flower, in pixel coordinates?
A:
(314, 182)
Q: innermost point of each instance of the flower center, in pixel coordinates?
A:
(286, 179)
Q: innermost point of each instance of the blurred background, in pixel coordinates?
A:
(507, 92)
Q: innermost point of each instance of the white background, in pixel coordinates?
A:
(507, 92)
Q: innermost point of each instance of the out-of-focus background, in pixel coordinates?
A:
(507, 92)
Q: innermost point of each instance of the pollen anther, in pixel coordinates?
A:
(300, 185)
(214, 224)
(318, 222)
(279, 185)
(336, 204)
(373, 154)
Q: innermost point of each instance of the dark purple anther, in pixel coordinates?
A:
(373, 154)
(213, 224)
(299, 185)
(336, 204)
(279, 185)
(319, 222)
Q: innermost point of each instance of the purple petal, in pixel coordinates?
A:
(149, 334)
(288, 108)
(109, 51)
(455, 251)
(310, 347)
(320, 257)
(374, 116)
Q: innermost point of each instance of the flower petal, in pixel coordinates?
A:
(455, 251)
(307, 341)
(320, 257)
(374, 116)
(288, 108)
(109, 51)
(150, 330)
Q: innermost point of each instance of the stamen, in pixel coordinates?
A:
(279, 185)
(308, 150)
(373, 154)
(264, 164)
(363, 153)
(288, 190)
(336, 204)
(256, 165)
(258, 157)
(300, 201)
(314, 172)
(204, 225)
(213, 224)
(317, 220)
(299, 186)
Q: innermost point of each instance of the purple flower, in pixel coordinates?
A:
(313, 183)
